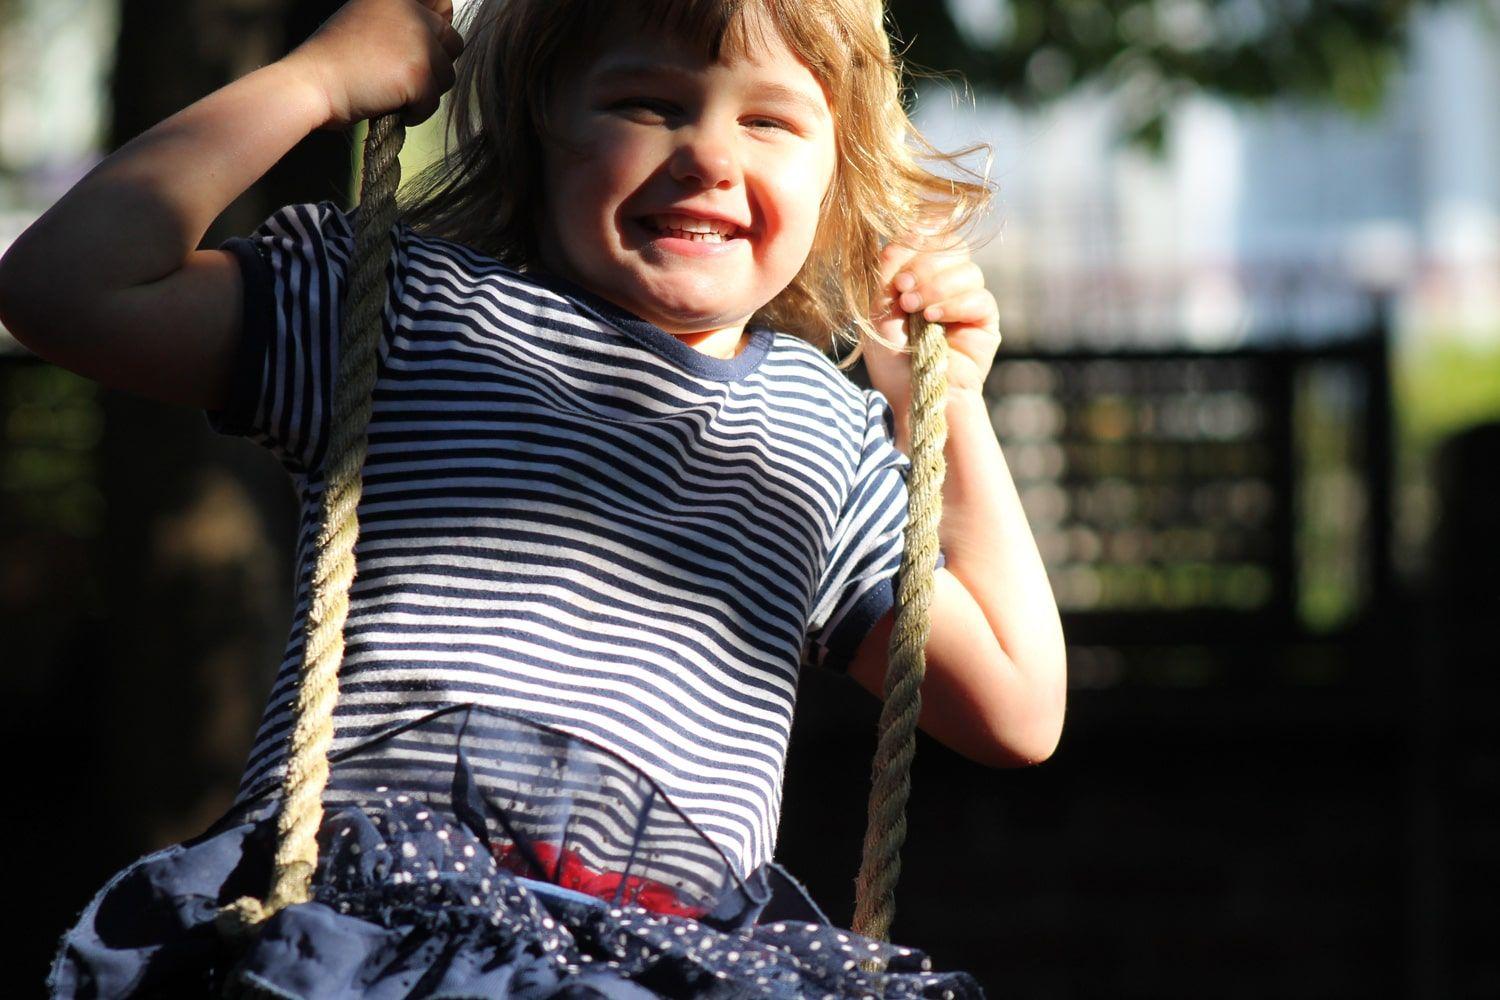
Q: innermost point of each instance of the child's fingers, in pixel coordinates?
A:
(448, 38)
(451, 41)
(971, 307)
(896, 260)
(918, 269)
(971, 354)
(885, 311)
(925, 282)
(892, 258)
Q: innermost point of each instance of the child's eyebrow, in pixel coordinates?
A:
(765, 90)
(781, 92)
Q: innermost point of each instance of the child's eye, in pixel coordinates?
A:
(761, 123)
(645, 108)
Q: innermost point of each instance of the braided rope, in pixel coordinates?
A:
(880, 864)
(333, 570)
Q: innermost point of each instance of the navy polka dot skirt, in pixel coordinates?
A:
(454, 882)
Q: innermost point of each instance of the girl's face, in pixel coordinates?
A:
(683, 190)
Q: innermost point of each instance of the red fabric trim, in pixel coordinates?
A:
(573, 874)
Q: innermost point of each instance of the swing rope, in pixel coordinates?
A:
(333, 573)
(896, 745)
(338, 529)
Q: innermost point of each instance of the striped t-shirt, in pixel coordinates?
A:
(570, 515)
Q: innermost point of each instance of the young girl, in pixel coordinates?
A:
(616, 496)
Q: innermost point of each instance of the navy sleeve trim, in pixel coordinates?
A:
(852, 631)
(855, 628)
(257, 309)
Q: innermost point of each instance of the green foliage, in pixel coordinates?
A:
(50, 426)
(1449, 384)
(1155, 52)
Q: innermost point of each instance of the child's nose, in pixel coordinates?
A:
(706, 159)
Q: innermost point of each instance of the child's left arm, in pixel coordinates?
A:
(996, 677)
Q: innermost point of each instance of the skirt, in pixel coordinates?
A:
(512, 861)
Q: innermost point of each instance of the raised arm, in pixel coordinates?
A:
(996, 683)
(108, 283)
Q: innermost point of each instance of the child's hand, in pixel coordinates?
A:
(378, 56)
(946, 288)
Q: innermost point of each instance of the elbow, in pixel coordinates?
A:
(1028, 731)
(48, 311)
(1033, 748)
(45, 299)
(1023, 747)
(18, 293)
(9, 294)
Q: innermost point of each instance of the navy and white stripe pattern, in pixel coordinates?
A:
(570, 515)
(545, 787)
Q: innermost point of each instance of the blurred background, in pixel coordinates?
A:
(1247, 254)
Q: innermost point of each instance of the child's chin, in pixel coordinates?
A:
(693, 313)
(682, 321)
(681, 325)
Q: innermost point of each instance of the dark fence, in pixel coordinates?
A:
(1208, 497)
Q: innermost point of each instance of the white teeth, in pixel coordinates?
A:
(683, 234)
(687, 227)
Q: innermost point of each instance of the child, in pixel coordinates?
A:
(615, 495)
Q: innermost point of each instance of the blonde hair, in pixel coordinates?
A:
(484, 190)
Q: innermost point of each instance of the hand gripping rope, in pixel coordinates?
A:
(333, 572)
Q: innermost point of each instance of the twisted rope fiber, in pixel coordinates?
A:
(880, 865)
(333, 570)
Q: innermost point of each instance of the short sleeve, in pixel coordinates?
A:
(858, 583)
(293, 268)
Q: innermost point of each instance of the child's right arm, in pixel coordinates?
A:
(108, 282)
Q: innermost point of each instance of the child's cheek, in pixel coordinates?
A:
(792, 197)
(587, 179)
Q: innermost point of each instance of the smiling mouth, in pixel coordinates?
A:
(685, 227)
